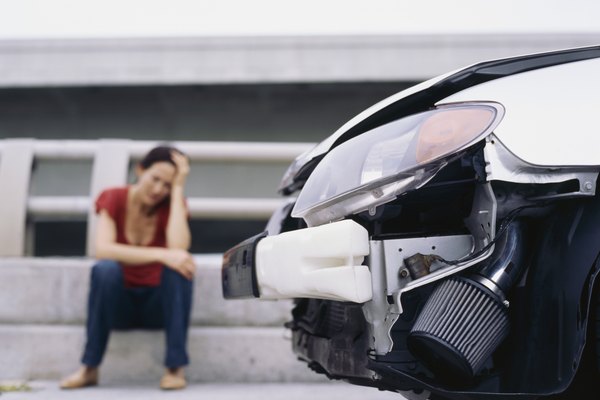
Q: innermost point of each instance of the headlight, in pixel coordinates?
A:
(375, 167)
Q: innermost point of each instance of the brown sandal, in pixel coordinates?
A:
(173, 379)
(83, 377)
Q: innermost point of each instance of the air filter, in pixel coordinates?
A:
(460, 326)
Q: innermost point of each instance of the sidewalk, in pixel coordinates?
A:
(48, 390)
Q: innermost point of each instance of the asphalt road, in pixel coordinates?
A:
(48, 390)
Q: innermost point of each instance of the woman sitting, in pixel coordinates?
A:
(143, 278)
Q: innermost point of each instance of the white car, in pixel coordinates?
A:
(445, 242)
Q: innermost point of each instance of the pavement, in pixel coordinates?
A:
(48, 390)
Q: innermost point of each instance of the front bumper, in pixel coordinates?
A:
(238, 275)
(323, 262)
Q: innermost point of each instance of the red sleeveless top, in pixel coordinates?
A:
(114, 201)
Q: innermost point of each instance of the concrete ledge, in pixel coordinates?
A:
(54, 291)
(230, 60)
(217, 355)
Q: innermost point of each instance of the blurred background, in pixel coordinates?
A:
(235, 72)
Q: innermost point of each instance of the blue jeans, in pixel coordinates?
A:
(113, 306)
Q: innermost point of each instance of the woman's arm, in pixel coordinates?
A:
(178, 230)
(107, 247)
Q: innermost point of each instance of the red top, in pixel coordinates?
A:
(114, 201)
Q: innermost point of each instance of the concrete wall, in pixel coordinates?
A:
(218, 60)
(282, 113)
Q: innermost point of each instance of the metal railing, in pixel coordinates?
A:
(111, 160)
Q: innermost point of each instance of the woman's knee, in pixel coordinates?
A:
(172, 278)
(107, 272)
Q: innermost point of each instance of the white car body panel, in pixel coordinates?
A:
(536, 127)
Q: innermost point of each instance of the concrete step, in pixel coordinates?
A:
(54, 291)
(218, 354)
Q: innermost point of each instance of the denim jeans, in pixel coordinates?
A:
(113, 306)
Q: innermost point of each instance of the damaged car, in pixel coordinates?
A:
(445, 242)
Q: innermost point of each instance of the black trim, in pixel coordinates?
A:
(238, 274)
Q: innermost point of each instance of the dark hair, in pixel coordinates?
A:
(158, 154)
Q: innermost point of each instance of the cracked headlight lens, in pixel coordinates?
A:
(377, 166)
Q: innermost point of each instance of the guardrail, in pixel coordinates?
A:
(111, 160)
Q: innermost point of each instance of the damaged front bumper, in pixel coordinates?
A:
(324, 262)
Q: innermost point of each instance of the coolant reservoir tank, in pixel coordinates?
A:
(322, 262)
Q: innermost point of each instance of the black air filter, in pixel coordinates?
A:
(460, 326)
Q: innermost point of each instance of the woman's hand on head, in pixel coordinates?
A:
(180, 261)
(183, 168)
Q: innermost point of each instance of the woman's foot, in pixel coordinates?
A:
(84, 376)
(174, 378)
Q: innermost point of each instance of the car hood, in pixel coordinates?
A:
(444, 88)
